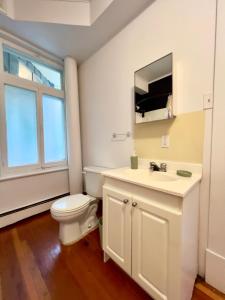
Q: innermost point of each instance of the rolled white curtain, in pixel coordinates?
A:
(73, 126)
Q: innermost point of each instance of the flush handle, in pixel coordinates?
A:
(125, 201)
(134, 204)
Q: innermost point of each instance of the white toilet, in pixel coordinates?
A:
(76, 214)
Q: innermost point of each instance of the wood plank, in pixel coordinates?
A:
(1, 298)
(209, 291)
(35, 286)
(12, 284)
(35, 273)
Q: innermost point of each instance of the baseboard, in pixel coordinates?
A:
(26, 212)
(215, 270)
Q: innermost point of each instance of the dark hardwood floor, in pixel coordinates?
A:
(33, 265)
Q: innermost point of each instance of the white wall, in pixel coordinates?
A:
(20, 192)
(215, 257)
(185, 28)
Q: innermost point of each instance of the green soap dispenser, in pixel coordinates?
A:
(134, 161)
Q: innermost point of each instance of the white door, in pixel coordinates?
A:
(155, 248)
(117, 227)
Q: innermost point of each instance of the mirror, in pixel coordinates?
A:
(154, 91)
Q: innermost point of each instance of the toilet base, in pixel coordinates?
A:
(68, 242)
(71, 232)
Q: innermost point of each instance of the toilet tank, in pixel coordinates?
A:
(94, 181)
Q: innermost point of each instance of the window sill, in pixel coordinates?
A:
(33, 173)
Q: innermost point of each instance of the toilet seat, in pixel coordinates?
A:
(71, 204)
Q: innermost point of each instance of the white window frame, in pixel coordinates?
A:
(40, 90)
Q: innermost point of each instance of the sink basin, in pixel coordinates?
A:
(133, 172)
(147, 174)
(157, 176)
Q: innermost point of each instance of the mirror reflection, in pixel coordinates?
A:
(154, 91)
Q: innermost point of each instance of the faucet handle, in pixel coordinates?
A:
(163, 167)
(152, 163)
(153, 166)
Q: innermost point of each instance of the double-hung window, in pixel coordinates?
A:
(32, 113)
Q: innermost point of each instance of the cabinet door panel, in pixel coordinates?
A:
(117, 227)
(151, 252)
(154, 250)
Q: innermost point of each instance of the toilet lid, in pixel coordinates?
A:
(70, 203)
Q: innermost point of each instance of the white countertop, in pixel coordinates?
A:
(167, 182)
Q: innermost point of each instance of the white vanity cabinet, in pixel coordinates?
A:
(153, 236)
(117, 227)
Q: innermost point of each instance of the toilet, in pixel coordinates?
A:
(76, 214)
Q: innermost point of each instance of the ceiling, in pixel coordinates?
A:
(77, 41)
(156, 69)
(72, 0)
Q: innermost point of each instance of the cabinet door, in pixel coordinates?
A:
(117, 227)
(152, 253)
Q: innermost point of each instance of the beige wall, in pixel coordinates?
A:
(186, 133)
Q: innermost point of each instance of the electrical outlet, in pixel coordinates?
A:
(165, 141)
(207, 101)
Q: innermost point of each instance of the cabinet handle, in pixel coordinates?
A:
(134, 204)
(125, 201)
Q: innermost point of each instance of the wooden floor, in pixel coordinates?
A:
(33, 265)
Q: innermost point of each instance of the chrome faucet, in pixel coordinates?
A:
(154, 167)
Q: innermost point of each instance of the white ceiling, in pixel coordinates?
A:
(71, 0)
(77, 41)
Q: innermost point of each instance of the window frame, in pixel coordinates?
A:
(40, 90)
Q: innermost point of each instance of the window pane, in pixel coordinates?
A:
(21, 126)
(54, 129)
(22, 66)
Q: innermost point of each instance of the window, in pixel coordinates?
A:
(25, 67)
(54, 128)
(21, 126)
(33, 131)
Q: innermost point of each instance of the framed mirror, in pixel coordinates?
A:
(153, 88)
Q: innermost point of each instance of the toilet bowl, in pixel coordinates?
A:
(76, 214)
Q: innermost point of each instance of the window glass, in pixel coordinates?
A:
(27, 68)
(21, 126)
(54, 129)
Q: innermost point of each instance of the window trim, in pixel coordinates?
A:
(40, 90)
(33, 173)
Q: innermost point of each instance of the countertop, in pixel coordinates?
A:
(167, 182)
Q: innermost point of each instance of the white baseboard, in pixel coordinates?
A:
(215, 270)
(25, 213)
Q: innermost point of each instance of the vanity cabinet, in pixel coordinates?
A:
(153, 237)
(117, 227)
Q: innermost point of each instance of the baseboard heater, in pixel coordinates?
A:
(31, 205)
